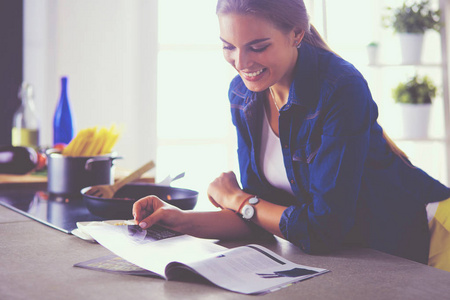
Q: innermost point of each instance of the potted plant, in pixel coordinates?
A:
(372, 53)
(415, 97)
(410, 22)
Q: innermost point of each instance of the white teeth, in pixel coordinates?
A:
(254, 73)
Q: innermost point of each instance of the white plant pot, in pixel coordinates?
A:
(372, 54)
(416, 119)
(411, 46)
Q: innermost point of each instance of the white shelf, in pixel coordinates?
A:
(440, 144)
(401, 139)
(382, 76)
(389, 65)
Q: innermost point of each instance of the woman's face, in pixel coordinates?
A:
(262, 54)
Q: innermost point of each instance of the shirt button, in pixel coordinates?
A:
(292, 181)
(285, 146)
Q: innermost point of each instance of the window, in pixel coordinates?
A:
(194, 128)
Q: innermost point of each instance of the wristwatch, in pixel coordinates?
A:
(248, 211)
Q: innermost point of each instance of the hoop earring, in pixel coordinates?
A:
(299, 45)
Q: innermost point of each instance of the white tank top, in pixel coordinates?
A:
(271, 158)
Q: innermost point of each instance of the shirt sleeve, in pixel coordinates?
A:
(335, 172)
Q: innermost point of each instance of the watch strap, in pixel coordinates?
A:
(243, 203)
(248, 210)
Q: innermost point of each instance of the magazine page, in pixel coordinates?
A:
(114, 264)
(151, 249)
(250, 269)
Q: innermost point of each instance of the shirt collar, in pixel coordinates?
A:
(304, 89)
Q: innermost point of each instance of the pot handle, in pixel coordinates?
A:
(90, 161)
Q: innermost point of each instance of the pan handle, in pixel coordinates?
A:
(90, 161)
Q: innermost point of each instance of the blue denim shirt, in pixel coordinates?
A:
(350, 188)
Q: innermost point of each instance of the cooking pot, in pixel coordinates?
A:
(67, 175)
(120, 207)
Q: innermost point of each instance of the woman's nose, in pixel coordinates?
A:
(242, 60)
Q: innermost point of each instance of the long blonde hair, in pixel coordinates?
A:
(288, 15)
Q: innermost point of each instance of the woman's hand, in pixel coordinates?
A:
(224, 192)
(222, 224)
(151, 210)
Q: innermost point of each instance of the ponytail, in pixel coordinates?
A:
(314, 38)
(396, 150)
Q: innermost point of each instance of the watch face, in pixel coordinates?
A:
(253, 200)
(247, 212)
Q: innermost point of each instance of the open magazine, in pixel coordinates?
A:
(250, 269)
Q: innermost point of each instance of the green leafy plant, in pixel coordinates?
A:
(413, 17)
(415, 91)
(372, 44)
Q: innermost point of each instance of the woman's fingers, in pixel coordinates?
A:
(144, 207)
(218, 189)
(211, 199)
(151, 210)
(158, 216)
(225, 192)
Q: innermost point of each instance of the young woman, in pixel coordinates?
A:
(315, 166)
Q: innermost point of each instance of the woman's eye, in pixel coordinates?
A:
(260, 49)
(228, 47)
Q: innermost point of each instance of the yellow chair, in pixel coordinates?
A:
(439, 226)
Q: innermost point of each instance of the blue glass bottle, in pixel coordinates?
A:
(62, 121)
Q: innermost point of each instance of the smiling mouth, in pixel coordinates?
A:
(253, 74)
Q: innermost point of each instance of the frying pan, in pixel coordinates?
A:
(120, 207)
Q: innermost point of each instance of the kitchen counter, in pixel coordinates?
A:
(37, 263)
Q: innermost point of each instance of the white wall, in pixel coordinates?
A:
(108, 50)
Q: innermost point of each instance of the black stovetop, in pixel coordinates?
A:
(59, 212)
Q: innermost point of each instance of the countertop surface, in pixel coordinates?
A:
(37, 263)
